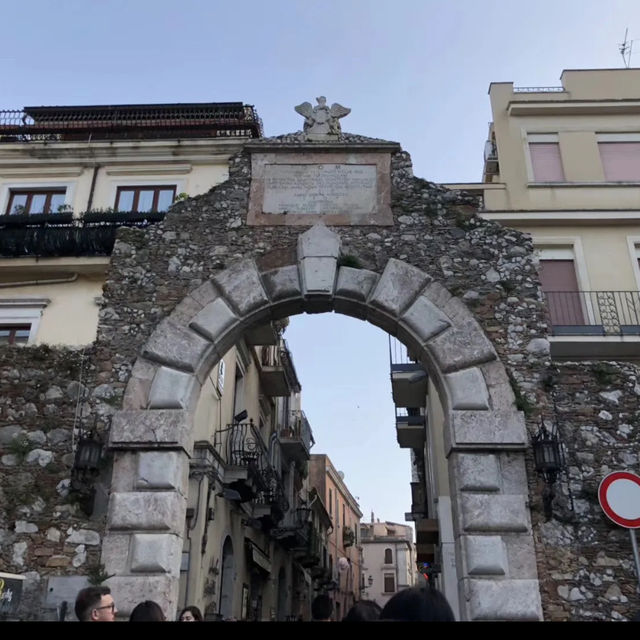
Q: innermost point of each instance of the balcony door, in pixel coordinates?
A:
(560, 286)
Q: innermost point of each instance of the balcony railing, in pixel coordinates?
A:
(593, 313)
(538, 89)
(241, 445)
(222, 119)
(59, 234)
(297, 428)
(279, 356)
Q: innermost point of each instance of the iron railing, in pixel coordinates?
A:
(241, 445)
(60, 234)
(595, 313)
(273, 493)
(280, 356)
(224, 119)
(298, 428)
(538, 89)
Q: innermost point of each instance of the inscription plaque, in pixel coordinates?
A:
(320, 188)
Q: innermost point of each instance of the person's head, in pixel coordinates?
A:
(95, 604)
(321, 607)
(190, 614)
(147, 611)
(363, 611)
(420, 604)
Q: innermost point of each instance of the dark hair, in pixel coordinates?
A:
(321, 607)
(195, 612)
(420, 604)
(363, 611)
(87, 599)
(147, 611)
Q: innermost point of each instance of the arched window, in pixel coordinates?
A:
(388, 556)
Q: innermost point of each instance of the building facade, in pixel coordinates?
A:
(388, 559)
(343, 548)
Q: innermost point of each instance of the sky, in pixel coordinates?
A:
(413, 71)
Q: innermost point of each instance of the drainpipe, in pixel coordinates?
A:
(28, 283)
(93, 186)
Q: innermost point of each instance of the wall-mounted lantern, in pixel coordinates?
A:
(86, 469)
(549, 461)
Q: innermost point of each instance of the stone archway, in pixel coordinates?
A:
(484, 434)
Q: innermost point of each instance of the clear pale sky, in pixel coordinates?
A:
(413, 71)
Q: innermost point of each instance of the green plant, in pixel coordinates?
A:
(349, 261)
(19, 447)
(97, 574)
(522, 402)
(603, 373)
(181, 196)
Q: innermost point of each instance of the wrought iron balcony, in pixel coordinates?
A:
(294, 530)
(593, 313)
(295, 437)
(61, 235)
(245, 457)
(311, 554)
(136, 121)
(271, 503)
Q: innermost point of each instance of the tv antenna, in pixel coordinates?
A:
(625, 49)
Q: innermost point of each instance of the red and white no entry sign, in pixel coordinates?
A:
(619, 496)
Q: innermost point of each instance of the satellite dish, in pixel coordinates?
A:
(343, 564)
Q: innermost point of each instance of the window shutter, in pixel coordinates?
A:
(546, 162)
(620, 161)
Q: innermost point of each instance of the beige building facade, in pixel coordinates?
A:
(388, 559)
(344, 544)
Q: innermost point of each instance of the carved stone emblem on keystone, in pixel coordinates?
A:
(322, 122)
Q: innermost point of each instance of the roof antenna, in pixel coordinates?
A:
(625, 49)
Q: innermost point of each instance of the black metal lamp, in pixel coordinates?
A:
(85, 470)
(549, 461)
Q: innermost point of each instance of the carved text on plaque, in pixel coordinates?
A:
(320, 188)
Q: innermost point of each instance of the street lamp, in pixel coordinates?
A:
(85, 470)
(549, 462)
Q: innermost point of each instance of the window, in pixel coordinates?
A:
(143, 199)
(389, 583)
(20, 318)
(388, 556)
(546, 162)
(620, 161)
(28, 201)
(560, 286)
(14, 334)
(330, 502)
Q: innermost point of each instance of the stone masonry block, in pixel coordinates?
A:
(493, 513)
(185, 310)
(214, 320)
(318, 242)
(477, 472)
(147, 510)
(467, 389)
(355, 284)
(162, 470)
(137, 392)
(425, 320)
(158, 429)
(156, 553)
(173, 389)
(318, 276)
(283, 283)
(176, 346)
(462, 346)
(124, 470)
(485, 555)
(241, 285)
(399, 285)
(504, 600)
(488, 428)
(131, 590)
(437, 294)
(502, 398)
(115, 553)
(205, 293)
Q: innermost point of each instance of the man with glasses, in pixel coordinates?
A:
(95, 604)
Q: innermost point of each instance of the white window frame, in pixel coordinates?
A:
(529, 137)
(23, 311)
(567, 248)
(634, 252)
(7, 187)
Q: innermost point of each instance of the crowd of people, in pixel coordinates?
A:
(96, 604)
